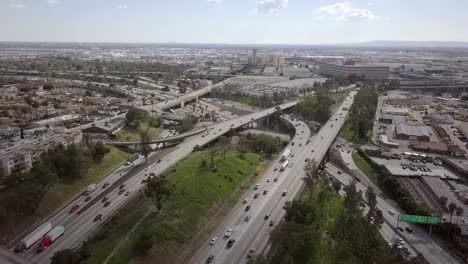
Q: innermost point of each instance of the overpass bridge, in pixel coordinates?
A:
(8, 257)
(156, 141)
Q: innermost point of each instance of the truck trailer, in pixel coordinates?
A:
(285, 154)
(91, 188)
(33, 237)
(50, 238)
(284, 165)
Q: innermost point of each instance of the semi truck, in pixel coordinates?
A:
(50, 238)
(91, 188)
(33, 237)
(285, 154)
(284, 165)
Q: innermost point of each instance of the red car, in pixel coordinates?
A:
(74, 208)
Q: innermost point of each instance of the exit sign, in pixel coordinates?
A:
(423, 219)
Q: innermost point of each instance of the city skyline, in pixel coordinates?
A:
(231, 22)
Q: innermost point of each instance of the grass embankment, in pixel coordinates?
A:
(241, 99)
(194, 191)
(61, 192)
(363, 166)
(134, 134)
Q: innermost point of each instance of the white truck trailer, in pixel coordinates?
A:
(285, 154)
(33, 237)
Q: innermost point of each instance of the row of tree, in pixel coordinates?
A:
(362, 112)
(315, 107)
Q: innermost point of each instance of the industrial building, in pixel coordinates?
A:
(402, 111)
(370, 72)
(409, 131)
(431, 147)
(441, 119)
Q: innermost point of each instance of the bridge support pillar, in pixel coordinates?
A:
(196, 99)
(182, 105)
(325, 159)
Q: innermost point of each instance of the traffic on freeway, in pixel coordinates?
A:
(245, 231)
(79, 224)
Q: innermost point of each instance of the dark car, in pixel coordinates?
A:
(256, 195)
(272, 222)
(265, 192)
(104, 199)
(107, 203)
(230, 243)
(401, 229)
(87, 198)
(121, 191)
(210, 259)
(105, 185)
(267, 216)
(122, 186)
(247, 208)
(74, 208)
(98, 218)
(159, 161)
(408, 229)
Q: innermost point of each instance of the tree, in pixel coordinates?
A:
(372, 202)
(145, 143)
(135, 116)
(353, 197)
(35, 105)
(157, 189)
(142, 245)
(66, 256)
(443, 202)
(459, 211)
(99, 151)
(45, 174)
(311, 174)
(451, 207)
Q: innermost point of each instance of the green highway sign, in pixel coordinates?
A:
(230, 109)
(345, 109)
(419, 219)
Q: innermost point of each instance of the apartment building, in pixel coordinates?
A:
(23, 155)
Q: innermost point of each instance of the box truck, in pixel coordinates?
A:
(91, 188)
(284, 165)
(285, 154)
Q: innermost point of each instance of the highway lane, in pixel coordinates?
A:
(418, 240)
(80, 226)
(254, 233)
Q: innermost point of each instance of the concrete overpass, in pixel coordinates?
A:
(8, 257)
(156, 141)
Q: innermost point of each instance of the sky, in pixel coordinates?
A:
(233, 21)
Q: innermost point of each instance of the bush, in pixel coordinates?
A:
(142, 245)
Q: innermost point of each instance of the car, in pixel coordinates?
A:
(127, 193)
(275, 179)
(104, 199)
(300, 144)
(292, 155)
(210, 259)
(401, 229)
(121, 191)
(272, 223)
(444, 219)
(230, 243)
(292, 144)
(391, 212)
(107, 203)
(462, 220)
(284, 193)
(247, 208)
(159, 161)
(245, 200)
(87, 198)
(312, 150)
(228, 232)
(275, 169)
(247, 218)
(265, 192)
(409, 229)
(267, 216)
(105, 185)
(256, 195)
(98, 218)
(122, 186)
(251, 253)
(213, 240)
(268, 180)
(306, 160)
(74, 208)
(400, 241)
(339, 172)
(232, 125)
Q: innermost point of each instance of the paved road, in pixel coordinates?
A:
(79, 227)
(254, 233)
(7, 257)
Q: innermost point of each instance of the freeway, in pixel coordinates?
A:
(7, 257)
(159, 140)
(79, 226)
(267, 209)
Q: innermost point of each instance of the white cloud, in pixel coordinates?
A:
(16, 4)
(122, 6)
(344, 11)
(270, 6)
(53, 2)
(214, 1)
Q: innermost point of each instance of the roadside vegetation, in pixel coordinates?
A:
(358, 127)
(315, 107)
(390, 185)
(324, 227)
(63, 174)
(191, 188)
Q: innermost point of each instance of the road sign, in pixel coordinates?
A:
(419, 219)
(345, 109)
(230, 109)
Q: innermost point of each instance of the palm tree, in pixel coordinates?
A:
(443, 202)
(452, 207)
(459, 211)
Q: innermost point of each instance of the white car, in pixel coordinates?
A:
(391, 212)
(245, 200)
(228, 232)
(284, 193)
(213, 240)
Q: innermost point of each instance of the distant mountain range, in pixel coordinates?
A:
(413, 44)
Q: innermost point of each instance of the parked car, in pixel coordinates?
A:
(104, 199)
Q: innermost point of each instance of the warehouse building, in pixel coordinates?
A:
(370, 72)
(431, 147)
(441, 119)
(409, 131)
